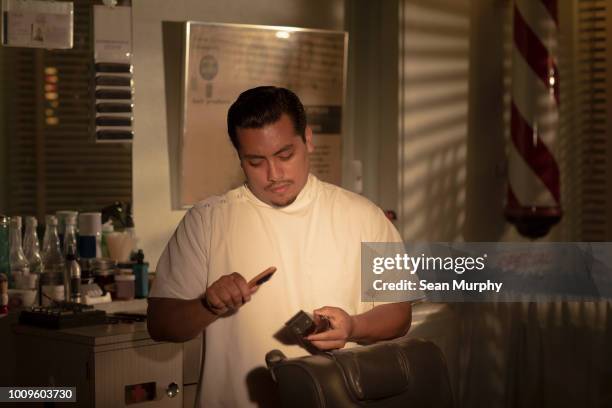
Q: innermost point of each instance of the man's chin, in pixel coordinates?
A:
(283, 203)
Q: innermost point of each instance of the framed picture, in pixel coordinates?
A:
(223, 60)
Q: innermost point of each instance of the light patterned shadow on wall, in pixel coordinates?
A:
(434, 63)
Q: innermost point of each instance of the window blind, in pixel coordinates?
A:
(591, 111)
(53, 162)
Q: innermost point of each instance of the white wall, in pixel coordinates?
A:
(433, 113)
(371, 128)
(154, 218)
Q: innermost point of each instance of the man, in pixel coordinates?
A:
(284, 220)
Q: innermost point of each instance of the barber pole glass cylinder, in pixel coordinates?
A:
(533, 202)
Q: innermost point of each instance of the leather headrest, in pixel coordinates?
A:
(375, 372)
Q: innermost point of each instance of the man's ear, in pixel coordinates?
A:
(308, 135)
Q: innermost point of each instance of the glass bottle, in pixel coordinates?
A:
(72, 281)
(5, 266)
(52, 255)
(62, 215)
(31, 246)
(20, 269)
(70, 238)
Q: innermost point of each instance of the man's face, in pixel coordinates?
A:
(275, 161)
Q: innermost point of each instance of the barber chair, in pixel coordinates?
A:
(393, 374)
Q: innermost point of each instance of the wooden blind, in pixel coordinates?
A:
(592, 101)
(53, 161)
(584, 146)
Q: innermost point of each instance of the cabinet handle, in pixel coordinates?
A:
(172, 390)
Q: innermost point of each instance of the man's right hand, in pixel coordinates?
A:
(183, 319)
(229, 293)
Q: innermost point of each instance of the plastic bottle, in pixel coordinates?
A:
(107, 228)
(20, 269)
(90, 235)
(141, 271)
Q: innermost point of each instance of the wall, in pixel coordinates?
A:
(433, 114)
(371, 135)
(434, 150)
(155, 220)
(486, 156)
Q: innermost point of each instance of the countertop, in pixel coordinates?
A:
(98, 335)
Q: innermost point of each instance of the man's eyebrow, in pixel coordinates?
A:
(252, 156)
(284, 149)
(280, 151)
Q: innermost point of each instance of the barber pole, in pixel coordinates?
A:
(533, 202)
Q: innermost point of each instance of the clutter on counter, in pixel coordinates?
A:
(70, 266)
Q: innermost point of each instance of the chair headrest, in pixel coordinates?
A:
(375, 372)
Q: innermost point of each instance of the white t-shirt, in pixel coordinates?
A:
(315, 245)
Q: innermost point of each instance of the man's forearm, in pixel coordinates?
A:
(176, 319)
(382, 323)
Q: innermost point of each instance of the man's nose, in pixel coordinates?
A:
(275, 172)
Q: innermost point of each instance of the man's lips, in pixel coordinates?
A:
(279, 188)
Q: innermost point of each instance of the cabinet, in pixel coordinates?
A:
(108, 364)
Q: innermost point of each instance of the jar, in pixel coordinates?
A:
(103, 270)
(125, 285)
(100, 266)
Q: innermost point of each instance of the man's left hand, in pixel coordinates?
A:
(340, 331)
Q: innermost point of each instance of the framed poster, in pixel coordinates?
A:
(38, 24)
(223, 60)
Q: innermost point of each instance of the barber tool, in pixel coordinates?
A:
(262, 277)
(302, 324)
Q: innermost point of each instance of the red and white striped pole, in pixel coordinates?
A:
(533, 202)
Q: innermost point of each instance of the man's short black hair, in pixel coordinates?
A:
(264, 105)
